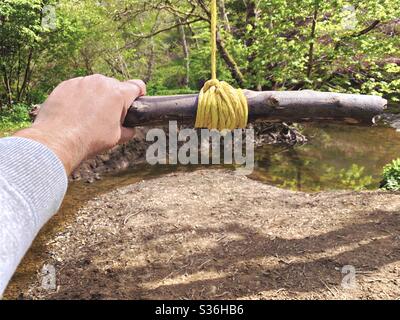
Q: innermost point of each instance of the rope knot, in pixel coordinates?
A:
(220, 106)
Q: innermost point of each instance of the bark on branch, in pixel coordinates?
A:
(274, 106)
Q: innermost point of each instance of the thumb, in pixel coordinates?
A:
(126, 134)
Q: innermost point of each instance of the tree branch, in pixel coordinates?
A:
(371, 27)
(274, 106)
(312, 42)
(181, 23)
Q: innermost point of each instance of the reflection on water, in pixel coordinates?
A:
(337, 157)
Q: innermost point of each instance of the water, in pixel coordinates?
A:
(337, 157)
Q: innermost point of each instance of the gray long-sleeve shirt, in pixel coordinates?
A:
(33, 183)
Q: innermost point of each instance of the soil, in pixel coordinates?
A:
(213, 234)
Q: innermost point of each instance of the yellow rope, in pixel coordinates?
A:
(220, 106)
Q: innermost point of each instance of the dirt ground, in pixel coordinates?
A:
(212, 234)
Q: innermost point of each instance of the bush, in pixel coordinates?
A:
(159, 90)
(15, 117)
(391, 176)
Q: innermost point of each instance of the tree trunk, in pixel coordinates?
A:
(151, 62)
(186, 54)
(224, 16)
(251, 19)
(7, 87)
(232, 66)
(274, 106)
(27, 75)
(312, 40)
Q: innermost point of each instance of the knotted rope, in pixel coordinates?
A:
(220, 106)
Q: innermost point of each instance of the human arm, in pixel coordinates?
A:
(82, 117)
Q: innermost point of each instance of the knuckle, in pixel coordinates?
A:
(69, 82)
(97, 77)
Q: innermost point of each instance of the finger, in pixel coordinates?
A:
(126, 135)
(131, 90)
(140, 83)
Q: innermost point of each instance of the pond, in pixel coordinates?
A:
(336, 157)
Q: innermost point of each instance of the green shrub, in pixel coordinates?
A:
(14, 118)
(159, 90)
(391, 176)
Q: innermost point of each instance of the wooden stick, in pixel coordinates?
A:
(273, 106)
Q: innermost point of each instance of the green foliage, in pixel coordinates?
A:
(271, 41)
(22, 37)
(14, 118)
(162, 91)
(346, 55)
(391, 176)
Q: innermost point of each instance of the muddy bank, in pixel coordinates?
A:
(214, 235)
(117, 159)
(134, 152)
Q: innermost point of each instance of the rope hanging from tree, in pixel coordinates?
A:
(220, 106)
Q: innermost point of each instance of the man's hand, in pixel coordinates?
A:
(83, 117)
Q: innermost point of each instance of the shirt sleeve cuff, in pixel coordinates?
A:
(36, 172)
